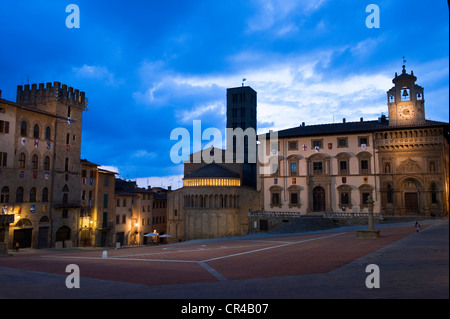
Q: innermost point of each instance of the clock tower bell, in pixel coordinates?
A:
(406, 102)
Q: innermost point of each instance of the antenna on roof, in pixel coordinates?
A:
(243, 80)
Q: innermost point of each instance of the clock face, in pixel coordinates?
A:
(406, 112)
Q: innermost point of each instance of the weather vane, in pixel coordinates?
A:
(404, 61)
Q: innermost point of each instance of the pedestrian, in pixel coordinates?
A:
(16, 246)
(417, 227)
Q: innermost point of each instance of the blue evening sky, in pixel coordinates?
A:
(148, 67)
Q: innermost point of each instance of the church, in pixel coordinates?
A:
(400, 161)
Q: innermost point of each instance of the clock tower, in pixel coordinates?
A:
(406, 100)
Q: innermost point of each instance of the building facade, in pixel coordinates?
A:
(40, 145)
(139, 211)
(400, 162)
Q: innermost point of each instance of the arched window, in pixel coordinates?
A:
(22, 160)
(47, 163)
(35, 161)
(47, 133)
(45, 195)
(19, 195)
(23, 128)
(4, 195)
(433, 193)
(32, 194)
(36, 131)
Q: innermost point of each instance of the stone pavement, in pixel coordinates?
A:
(415, 267)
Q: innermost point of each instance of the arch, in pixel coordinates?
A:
(24, 223)
(63, 233)
(44, 219)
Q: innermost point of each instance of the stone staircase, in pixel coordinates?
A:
(304, 224)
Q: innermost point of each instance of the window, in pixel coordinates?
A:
(47, 133)
(433, 193)
(105, 200)
(68, 139)
(345, 196)
(36, 131)
(35, 161)
(19, 195)
(106, 181)
(294, 196)
(66, 165)
(345, 199)
(293, 169)
(364, 162)
(275, 199)
(124, 202)
(242, 111)
(275, 196)
(175, 212)
(4, 195)
(342, 142)
(124, 219)
(292, 145)
(365, 192)
(65, 213)
(3, 159)
(316, 143)
(32, 194)
(45, 195)
(23, 128)
(363, 140)
(364, 166)
(317, 168)
(343, 168)
(4, 127)
(47, 163)
(22, 160)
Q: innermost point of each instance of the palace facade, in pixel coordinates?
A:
(400, 162)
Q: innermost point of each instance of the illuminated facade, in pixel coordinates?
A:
(401, 162)
(40, 142)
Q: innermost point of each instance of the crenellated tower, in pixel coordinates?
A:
(62, 144)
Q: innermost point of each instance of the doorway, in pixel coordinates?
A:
(318, 199)
(411, 203)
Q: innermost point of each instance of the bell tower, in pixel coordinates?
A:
(406, 102)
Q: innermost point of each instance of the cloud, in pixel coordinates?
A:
(215, 107)
(274, 14)
(95, 73)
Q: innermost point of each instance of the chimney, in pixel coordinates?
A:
(361, 119)
(169, 188)
(343, 120)
(303, 123)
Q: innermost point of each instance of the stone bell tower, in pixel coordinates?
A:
(406, 102)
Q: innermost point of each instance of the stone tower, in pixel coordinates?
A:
(241, 113)
(63, 146)
(406, 100)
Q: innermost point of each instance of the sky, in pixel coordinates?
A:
(149, 67)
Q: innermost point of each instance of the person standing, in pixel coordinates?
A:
(417, 227)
